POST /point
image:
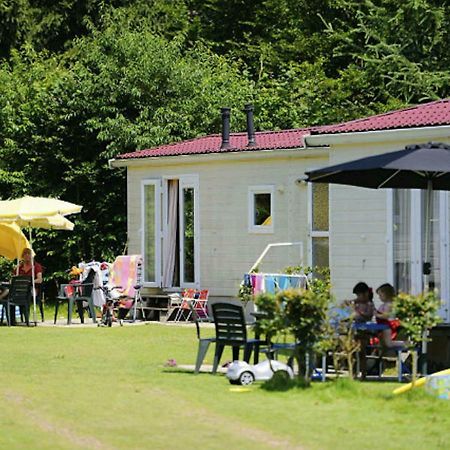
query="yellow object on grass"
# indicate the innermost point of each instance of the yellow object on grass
(12, 241)
(240, 389)
(420, 382)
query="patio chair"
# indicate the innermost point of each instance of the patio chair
(183, 311)
(200, 305)
(174, 305)
(77, 294)
(19, 295)
(199, 301)
(203, 343)
(231, 330)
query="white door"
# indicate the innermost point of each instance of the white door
(408, 243)
(189, 232)
(151, 231)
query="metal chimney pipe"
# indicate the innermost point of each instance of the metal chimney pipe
(225, 127)
(250, 126)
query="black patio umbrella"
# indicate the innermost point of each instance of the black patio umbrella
(421, 166)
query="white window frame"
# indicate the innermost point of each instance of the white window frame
(190, 181)
(158, 234)
(314, 233)
(416, 245)
(261, 189)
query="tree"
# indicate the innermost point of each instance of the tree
(63, 117)
(417, 314)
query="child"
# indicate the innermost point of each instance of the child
(386, 293)
(362, 304)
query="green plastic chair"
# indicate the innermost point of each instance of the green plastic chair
(19, 295)
(76, 294)
(231, 330)
(203, 343)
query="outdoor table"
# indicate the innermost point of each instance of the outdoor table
(366, 330)
(370, 327)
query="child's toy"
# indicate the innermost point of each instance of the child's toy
(107, 313)
(240, 372)
(439, 386)
(420, 382)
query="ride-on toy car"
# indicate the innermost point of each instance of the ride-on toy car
(240, 372)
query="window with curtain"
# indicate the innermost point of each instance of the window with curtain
(319, 232)
(409, 239)
(149, 232)
(402, 239)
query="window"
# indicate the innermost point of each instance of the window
(261, 214)
(319, 225)
(409, 238)
(150, 231)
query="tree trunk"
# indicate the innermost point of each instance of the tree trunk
(336, 364)
(350, 365)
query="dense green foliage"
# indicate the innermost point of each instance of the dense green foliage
(417, 314)
(299, 313)
(84, 80)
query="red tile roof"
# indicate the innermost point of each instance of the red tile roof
(426, 115)
(429, 114)
(265, 140)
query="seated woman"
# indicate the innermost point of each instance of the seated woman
(25, 269)
(386, 293)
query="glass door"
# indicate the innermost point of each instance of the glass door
(189, 232)
(401, 239)
(409, 240)
(151, 232)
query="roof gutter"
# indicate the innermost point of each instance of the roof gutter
(249, 155)
(400, 134)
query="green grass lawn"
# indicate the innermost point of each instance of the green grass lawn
(108, 388)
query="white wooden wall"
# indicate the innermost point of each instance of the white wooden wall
(227, 248)
(360, 246)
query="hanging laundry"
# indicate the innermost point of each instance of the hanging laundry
(269, 281)
(284, 282)
(259, 283)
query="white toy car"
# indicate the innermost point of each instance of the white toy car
(240, 372)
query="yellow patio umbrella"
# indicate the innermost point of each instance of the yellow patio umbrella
(55, 222)
(36, 207)
(38, 212)
(12, 241)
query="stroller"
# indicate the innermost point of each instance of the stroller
(122, 291)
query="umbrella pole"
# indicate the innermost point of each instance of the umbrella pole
(32, 278)
(427, 264)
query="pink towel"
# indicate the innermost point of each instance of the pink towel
(124, 273)
(259, 283)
